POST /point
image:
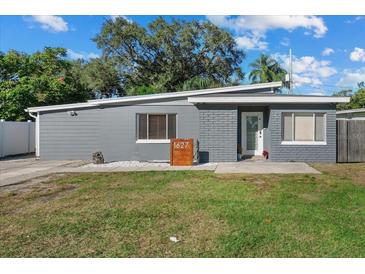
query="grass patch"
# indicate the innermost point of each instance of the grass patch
(134, 214)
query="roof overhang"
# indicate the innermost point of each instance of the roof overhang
(58, 107)
(282, 99)
(350, 111)
(160, 96)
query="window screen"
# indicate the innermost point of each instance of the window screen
(157, 127)
(142, 126)
(320, 127)
(303, 126)
(172, 126)
(287, 127)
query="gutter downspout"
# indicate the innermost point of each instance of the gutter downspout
(36, 117)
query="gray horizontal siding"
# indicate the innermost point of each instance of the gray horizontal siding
(111, 130)
(63, 136)
(121, 133)
(302, 153)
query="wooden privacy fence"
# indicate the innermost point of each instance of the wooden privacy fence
(350, 141)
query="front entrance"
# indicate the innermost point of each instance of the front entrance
(252, 140)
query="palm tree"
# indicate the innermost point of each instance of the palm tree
(198, 82)
(266, 69)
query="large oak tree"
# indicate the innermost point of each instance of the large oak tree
(165, 55)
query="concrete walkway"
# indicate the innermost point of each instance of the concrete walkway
(17, 170)
(259, 167)
(264, 167)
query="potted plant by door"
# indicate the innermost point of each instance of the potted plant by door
(239, 151)
(265, 153)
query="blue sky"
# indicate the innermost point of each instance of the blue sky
(329, 51)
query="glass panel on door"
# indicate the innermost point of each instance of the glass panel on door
(252, 126)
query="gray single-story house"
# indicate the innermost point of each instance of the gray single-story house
(224, 122)
(351, 114)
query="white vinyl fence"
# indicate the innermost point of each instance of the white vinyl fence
(16, 138)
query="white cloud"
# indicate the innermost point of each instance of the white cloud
(285, 42)
(327, 51)
(302, 80)
(357, 55)
(357, 18)
(113, 17)
(92, 55)
(51, 23)
(263, 23)
(251, 43)
(350, 77)
(252, 29)
(81, 55)
(307, 70)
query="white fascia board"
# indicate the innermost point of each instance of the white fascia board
(350, 111)
(160, 96)
(270, 99)
(58, 107)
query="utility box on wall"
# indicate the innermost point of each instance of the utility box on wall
(181, 152)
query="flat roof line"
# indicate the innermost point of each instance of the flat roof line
(269, 99)
(159, 96)
(351, 110)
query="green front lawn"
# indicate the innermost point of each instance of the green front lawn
(134, 214)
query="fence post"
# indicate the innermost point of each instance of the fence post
(28, 139)
(2, 130)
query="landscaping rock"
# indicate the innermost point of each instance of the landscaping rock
(98, 158)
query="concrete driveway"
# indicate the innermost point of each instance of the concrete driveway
(14, 170)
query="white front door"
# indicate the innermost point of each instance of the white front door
(252, 139)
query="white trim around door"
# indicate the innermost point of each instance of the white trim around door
(252, 138)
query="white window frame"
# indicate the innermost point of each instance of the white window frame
(155, 141)
(312, 142)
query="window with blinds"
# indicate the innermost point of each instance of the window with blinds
(156, 126)
(305, 126)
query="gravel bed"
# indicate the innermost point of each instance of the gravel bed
(132, 164)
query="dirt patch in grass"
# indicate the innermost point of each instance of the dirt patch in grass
(354, 172)
(136, 201)
(49, 194)
(177, 185)
(15, 199)
(29, 185)
(259, 183)
(310, 197)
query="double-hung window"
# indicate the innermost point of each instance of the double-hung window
(156, 127)
(303, 128)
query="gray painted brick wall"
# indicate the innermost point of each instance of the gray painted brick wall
(218, 133)
(304, 153)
